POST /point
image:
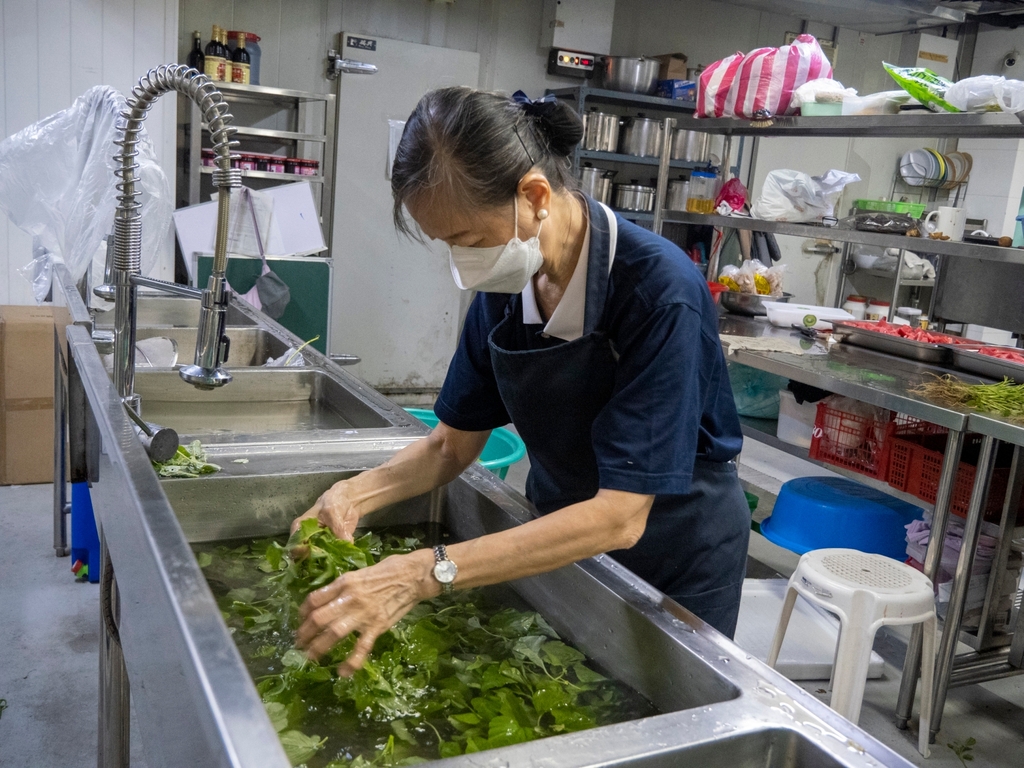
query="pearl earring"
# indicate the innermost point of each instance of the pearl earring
(542, 214)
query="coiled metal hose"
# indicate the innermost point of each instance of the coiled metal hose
(203, 91)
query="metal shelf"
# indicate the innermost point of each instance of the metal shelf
(267, 133)
(765, 431)
(246, 174)
(923, 124)
(818, 232)
(263, 93)
(617, 157)
(634, 215)
(891, 275)
(623, 99)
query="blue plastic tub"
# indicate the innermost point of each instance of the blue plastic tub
(503, 448)
(819, 512)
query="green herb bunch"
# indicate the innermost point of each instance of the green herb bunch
(457, 674)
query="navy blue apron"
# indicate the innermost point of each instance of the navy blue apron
(694, 548)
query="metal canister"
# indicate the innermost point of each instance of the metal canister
(601, 131)
(678, 192)
(641, 137)
(596, 182)
(691, 146)
(634, 197)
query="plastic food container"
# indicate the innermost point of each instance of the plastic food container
(877, 310)
(703, 188)
(816, 109)
(786, 315)
(819, 512)
(503, 448)
(796, 420)
(914, 210)
(856, 306)
(275, 164)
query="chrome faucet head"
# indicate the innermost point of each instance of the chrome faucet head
(204, 378)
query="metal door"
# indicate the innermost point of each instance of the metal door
(395, 304)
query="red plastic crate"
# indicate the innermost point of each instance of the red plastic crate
(851, 441)
(915, 465)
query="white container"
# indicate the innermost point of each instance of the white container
(796, 421)
(996, 336)
(806, 315)
(856, 307)
(877, 310)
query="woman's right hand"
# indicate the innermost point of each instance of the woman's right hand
(334, 510)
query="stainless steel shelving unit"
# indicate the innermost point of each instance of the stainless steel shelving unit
(306, 111)
(671, 110)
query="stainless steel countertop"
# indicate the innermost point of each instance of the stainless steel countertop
(873, 377)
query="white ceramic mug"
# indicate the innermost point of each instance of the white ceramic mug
(948, 221)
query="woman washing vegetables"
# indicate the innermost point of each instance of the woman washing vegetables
(596, 338)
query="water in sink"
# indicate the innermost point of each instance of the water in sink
(470, 672)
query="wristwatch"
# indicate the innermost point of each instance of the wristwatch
(445, 570)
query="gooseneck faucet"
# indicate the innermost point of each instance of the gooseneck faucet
(206, 372)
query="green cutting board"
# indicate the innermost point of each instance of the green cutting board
(309, 280)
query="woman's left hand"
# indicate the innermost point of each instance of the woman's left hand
(369, 602)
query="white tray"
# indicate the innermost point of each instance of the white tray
(804, 315)
(810, 644)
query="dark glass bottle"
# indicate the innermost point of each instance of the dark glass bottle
(240, 62)
(195, 56)
(215, 61)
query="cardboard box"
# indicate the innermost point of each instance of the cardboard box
(26, 395)
(673, 66)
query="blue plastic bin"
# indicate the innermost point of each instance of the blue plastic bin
(85, 540)
(820, 512)
(503, 448)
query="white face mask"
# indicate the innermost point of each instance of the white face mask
(501, 269)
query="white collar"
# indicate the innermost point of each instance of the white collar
(567, 320)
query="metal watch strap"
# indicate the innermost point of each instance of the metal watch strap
(440, 555)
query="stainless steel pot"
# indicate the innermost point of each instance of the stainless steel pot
(622, 73)
(597, 182)
(641, 136)
(678, 191)
(601, 131)
(634, 197)
(691, 146)
(693, 73)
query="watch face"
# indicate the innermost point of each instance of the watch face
(445, 571)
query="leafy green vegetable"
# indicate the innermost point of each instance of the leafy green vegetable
(457, 674)
(187, 462)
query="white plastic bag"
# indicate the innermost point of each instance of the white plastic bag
(794, 196)
(829, 89)
(987, 93)
(57, 183)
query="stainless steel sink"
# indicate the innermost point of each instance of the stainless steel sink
(257, 401)
(169, 311)
(250, 346)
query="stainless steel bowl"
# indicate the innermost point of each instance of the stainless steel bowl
(633, 75)
(601, 131)
(749, 304)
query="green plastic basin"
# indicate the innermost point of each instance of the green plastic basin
(503, 448)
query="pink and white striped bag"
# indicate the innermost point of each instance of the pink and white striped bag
(740, 85)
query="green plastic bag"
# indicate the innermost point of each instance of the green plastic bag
(924, 85)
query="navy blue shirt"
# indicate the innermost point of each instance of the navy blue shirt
(672, 402)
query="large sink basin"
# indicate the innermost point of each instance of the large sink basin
(249, 346)
(171, 311)
(257, 401)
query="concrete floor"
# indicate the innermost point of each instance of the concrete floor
(49, 633)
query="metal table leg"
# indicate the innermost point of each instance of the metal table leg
(932, 559)
(114, 744)
(964, 566)
(61, 507)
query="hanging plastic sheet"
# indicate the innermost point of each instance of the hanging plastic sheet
(57, 183)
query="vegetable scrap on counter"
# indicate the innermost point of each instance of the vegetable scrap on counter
(1004, 399)
(186, 462)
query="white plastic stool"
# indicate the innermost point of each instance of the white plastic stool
(867, 592)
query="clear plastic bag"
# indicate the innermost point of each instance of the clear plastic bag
(794, 196)
(987, 93)
(57, 183)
